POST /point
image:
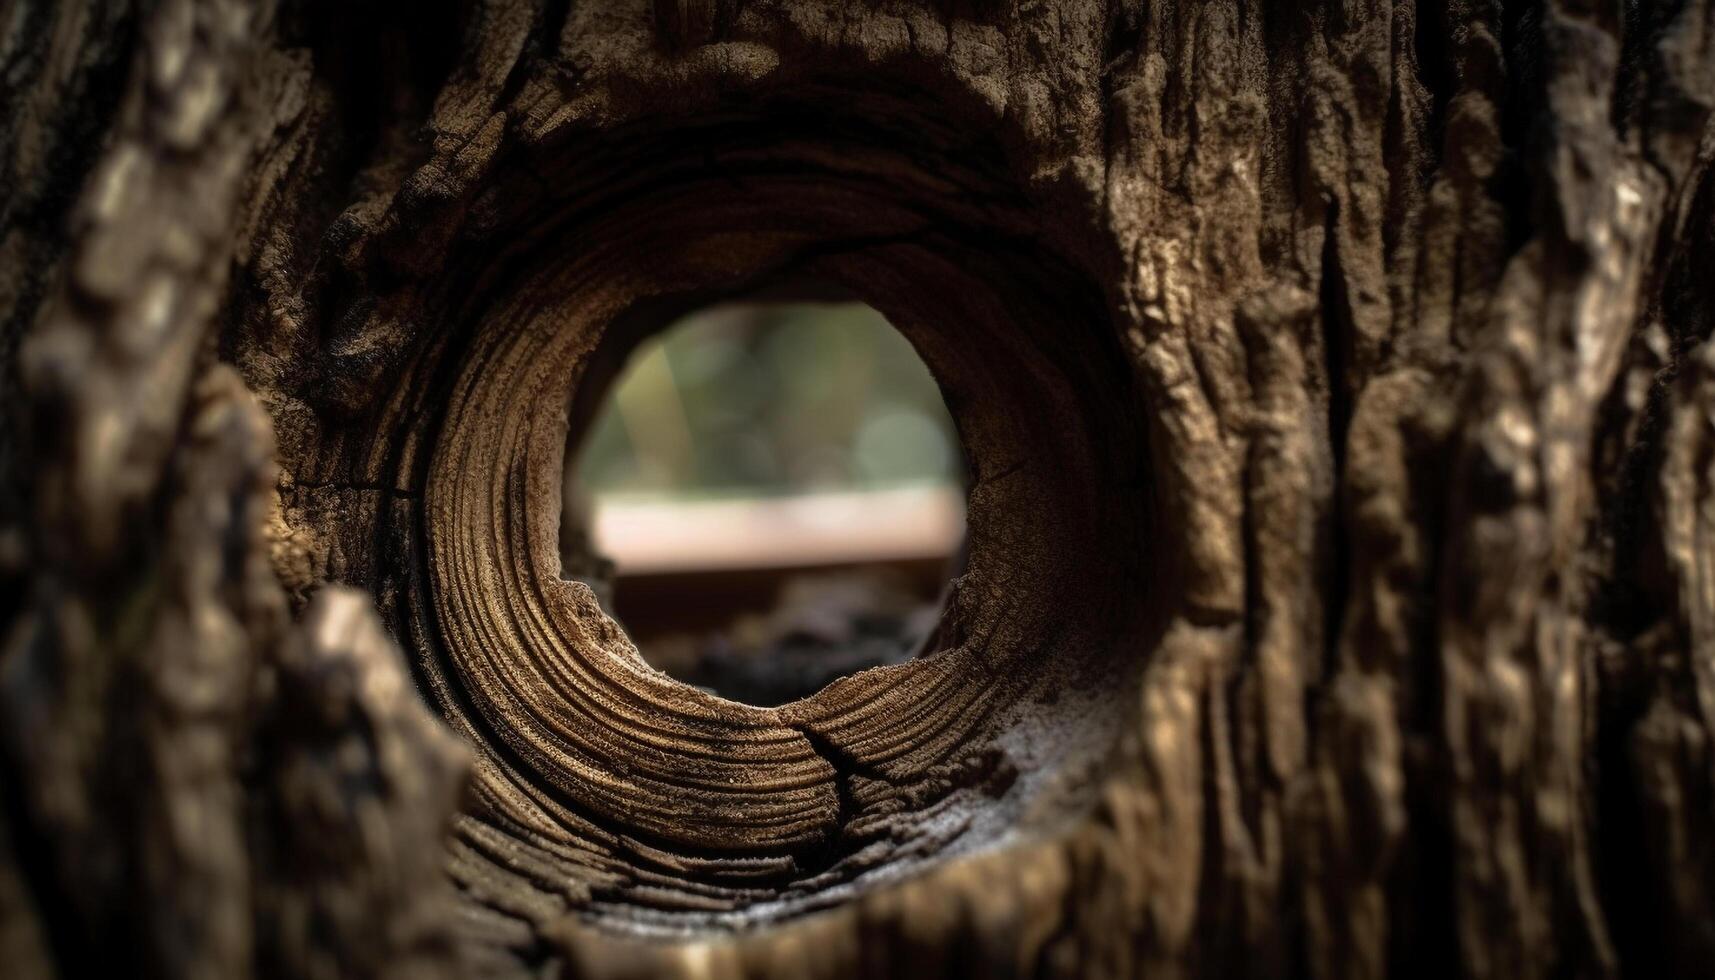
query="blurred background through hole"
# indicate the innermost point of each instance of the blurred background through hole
(768, 497)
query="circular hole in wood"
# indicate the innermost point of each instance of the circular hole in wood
(641, 802)
(769, 496)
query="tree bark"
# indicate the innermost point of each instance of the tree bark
(1338, 394)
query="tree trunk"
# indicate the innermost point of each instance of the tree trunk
(1336, 384)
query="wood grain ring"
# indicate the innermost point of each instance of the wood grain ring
(671, 800)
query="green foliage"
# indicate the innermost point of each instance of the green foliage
(751, 400)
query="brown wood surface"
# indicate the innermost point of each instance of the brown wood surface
(1338, 394)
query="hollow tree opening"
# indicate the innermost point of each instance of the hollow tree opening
(673, 808)
(769, 496)
(1336, 379)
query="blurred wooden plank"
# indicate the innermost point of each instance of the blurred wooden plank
(817, 530)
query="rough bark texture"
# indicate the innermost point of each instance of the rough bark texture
(1339, 393)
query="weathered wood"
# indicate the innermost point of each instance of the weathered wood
(1336, 380)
